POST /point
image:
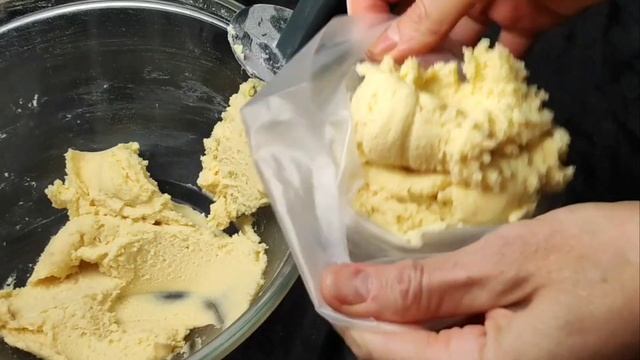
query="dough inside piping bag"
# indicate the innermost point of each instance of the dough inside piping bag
(440, 149)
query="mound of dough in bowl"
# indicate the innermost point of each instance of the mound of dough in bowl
(131, 272)
(442, 149)
(228, 173)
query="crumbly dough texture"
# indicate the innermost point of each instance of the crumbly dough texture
(131, 273)
(228, 172)
(443, 148)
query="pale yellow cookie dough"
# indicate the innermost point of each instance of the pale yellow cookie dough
(112, 183)
(131, 273)
(443, 148)
(228, 173)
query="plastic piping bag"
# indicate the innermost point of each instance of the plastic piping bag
(298, 128)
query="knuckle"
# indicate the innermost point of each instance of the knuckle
(509, 14)
(410, 282)
(422, 20)
(517, 15)
(478, 12)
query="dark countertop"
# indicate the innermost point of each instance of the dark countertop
(591, 68)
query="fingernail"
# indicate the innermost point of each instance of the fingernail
(350, 286)
(387, 42)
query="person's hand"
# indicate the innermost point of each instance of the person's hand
(564, 285)
(426, 23)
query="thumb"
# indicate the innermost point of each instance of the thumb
(420, 29)
(469, 281)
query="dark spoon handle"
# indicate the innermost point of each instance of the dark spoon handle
(307, 19)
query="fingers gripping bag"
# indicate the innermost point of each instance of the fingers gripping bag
(330, 141)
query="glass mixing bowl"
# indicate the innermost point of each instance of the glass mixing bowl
(93, 74)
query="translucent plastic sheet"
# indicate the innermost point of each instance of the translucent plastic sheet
(299, 130)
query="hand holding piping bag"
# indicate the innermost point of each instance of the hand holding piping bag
(427, 24)
(561, 285)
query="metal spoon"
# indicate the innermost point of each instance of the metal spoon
(205, 301)
(265, 37)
